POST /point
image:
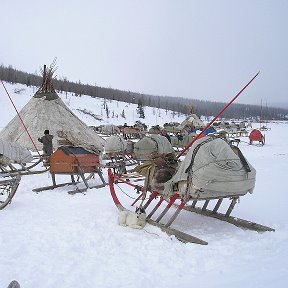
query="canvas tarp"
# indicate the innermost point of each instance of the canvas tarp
(186, 140)
(14, 152)
(216, 171)
(154, 143)
(115, 144)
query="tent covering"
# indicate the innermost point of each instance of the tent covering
(191, 120)
(44, 111)
(40, 114)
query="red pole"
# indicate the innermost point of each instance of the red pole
(217, 116)
(21, 119)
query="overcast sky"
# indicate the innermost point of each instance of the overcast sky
(198, 49)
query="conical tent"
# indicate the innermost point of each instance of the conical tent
(44, 111)
(191, 121)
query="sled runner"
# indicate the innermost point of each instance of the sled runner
(211, 174)
(24, 169)
(74, 161)
(8, 188)
(15, 159)
(170, 231)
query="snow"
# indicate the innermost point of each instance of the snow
(54, 239)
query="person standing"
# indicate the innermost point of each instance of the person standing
(46, 140)
(165, 134)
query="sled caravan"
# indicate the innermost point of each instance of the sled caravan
(211, 170)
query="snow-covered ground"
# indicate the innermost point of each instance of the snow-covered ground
(54, 239)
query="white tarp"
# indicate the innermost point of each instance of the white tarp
(154, 143)
(216, 171)
(115, 144)
(14, 152)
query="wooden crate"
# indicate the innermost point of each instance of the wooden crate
(71, 160)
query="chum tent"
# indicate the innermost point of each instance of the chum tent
(46, 110)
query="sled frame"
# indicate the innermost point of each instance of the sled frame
(74, 182)
(185, 204)
(12, 170)
(119, 162)
(8, 188)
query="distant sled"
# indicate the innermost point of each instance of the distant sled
(256, 136)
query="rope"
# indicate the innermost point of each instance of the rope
(152, 233)
(126, 193)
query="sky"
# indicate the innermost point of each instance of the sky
(55, 239)
(202, 49)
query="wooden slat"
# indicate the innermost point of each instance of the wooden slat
(219, 202)
(205, 205)
(184, 237)
(230, 219)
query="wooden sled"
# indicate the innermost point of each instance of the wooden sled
(8, 188)
(154, 201)
(74, 161)
(79, 175)
(120, 161)
(19, 168)
(256, 135)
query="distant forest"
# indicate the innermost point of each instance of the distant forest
(176, 104)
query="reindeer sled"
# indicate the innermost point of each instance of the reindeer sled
(11, 154)
(212, 171)
(256, 135)
(15, 159)
(8, 187)
(75, 162)
(118, 154)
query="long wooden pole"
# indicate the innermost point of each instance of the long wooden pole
(216, 117)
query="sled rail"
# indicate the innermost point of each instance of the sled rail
(242, 223)
(181, 236)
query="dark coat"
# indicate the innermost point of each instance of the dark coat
(47, 144)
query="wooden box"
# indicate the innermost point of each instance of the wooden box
(72, 160)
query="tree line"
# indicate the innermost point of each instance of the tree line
(176, 104)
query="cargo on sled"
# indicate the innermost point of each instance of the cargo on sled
(212, 172)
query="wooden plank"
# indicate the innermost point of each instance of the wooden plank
(183, 237)
(81, 190)
(230, 219)
(51, 187)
